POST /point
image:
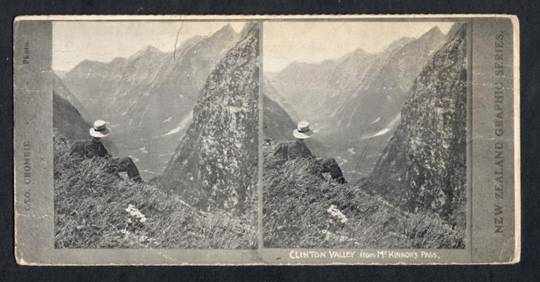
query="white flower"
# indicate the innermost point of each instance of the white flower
(337, 214)
(135, 212)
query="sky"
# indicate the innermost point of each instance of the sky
(313, 42)
(76, 41)
(283, 42)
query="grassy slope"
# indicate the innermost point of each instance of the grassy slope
(91, 212)
(296, 203)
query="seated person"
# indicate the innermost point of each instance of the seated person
(93, 148)
(298, 149)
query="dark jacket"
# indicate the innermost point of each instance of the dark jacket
(298, 149)
(292, 150)
(88, 149)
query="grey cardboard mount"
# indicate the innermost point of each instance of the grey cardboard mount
(493, 225)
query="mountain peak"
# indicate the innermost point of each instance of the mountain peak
(360, 51)
(433, 32)
(117, 61)
(149, 50)
(456, 27)
(152, 49)
(297, 65)
(225, 31)
(86, 65)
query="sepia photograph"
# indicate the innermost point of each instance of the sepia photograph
(266, 140)
(155, 134)
(365, 127)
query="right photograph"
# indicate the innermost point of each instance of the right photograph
(365, 134)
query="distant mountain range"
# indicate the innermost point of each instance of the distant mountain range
(148, 97)
(354, 102)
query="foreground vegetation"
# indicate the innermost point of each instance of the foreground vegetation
(303, 209)
(95, 208)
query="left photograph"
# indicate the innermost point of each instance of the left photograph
(155, 134)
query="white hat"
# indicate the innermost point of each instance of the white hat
(100, 129)
(302, 130)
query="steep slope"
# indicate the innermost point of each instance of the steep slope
(304, 209)
(177, 83)
(300, 82)
(215, 164)
(94, 208)
(391, 81)
(278, 125)
(68, 122)
(271, 92)
(372, 109)
(148, 97)
(93, 83)
(60, 89)
(422, 169)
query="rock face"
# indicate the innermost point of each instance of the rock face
(215, 165)
(422, 169)
(366, 93)
(148, 97)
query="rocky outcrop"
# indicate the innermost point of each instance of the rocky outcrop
(215, 164)
(422, 169)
